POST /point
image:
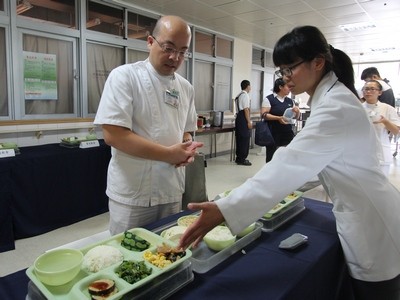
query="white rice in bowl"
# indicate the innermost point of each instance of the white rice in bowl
(101, 257)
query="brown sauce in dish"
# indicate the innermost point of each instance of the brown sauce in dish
(99, 285)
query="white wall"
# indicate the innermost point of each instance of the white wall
(242, 58)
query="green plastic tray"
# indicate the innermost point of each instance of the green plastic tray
(283, 204)
(78, 287)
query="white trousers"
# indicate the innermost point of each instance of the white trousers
(124, 217)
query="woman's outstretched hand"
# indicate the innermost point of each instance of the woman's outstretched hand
(210, 217)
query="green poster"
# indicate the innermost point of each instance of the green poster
(40, 76)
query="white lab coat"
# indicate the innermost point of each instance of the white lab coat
(134, 97)
(339, 144)
(374, 111)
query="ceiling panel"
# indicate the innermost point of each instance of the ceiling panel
(286, 10)
(263, 22)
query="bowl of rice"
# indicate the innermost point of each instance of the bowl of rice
(101, 257)
(187, 220)
(173, 233)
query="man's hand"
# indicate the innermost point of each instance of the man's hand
(191, 147)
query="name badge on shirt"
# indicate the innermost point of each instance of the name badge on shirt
(172, 98)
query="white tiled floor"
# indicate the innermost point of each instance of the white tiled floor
(221, 175)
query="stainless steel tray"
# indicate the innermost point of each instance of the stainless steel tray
(204, 259)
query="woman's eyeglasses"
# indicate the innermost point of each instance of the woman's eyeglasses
(288, 71)
(172, 51)
(370, 89)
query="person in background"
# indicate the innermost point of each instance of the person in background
(384, 118)
(272, 110)
(243, 124)
(365, 204)
(387, 95)
(147, 115)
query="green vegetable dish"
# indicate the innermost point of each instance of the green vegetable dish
(133, 271)
(133, 242)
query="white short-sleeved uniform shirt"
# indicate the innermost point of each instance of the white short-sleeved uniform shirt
(243, 100)
(134, 97)
(389, 112)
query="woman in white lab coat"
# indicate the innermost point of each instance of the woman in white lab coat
(339, 144)
(385, 120)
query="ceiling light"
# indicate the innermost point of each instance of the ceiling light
(384, 49)
(23, 7)
(357, 26)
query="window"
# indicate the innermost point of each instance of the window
(262, 77)
(48, 75)
(3, 74)
(212, 72)
(183, 69)
(56, 12)
(204, 43)
(203, 85)
(256, 90)
(224, 48)
(101, 60)
(258, 57)
(136, 55)
(2, 5)
(139, 27)
(106, 19)
(222, 88)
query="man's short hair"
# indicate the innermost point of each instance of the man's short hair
(244, 84)
(369, 72)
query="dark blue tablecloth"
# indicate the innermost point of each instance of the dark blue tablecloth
(315, 271)
(47, 187)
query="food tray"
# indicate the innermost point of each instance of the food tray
(161, 287)
(204, 259)
(77, 288)
(75, 142)
(10, 146)
(292, 210)
(282, 205)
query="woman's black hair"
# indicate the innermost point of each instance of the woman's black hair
(307, 43)
(278, 83)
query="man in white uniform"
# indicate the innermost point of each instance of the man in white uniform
(147, 113)
(243, 124)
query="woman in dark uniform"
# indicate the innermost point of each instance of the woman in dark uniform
(272, 109)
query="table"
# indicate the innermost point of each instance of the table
(213, 131)
(47, 187)
(314, 271)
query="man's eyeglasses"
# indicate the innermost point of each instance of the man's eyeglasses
(288, 71)
(172, 51)
(368, 89)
